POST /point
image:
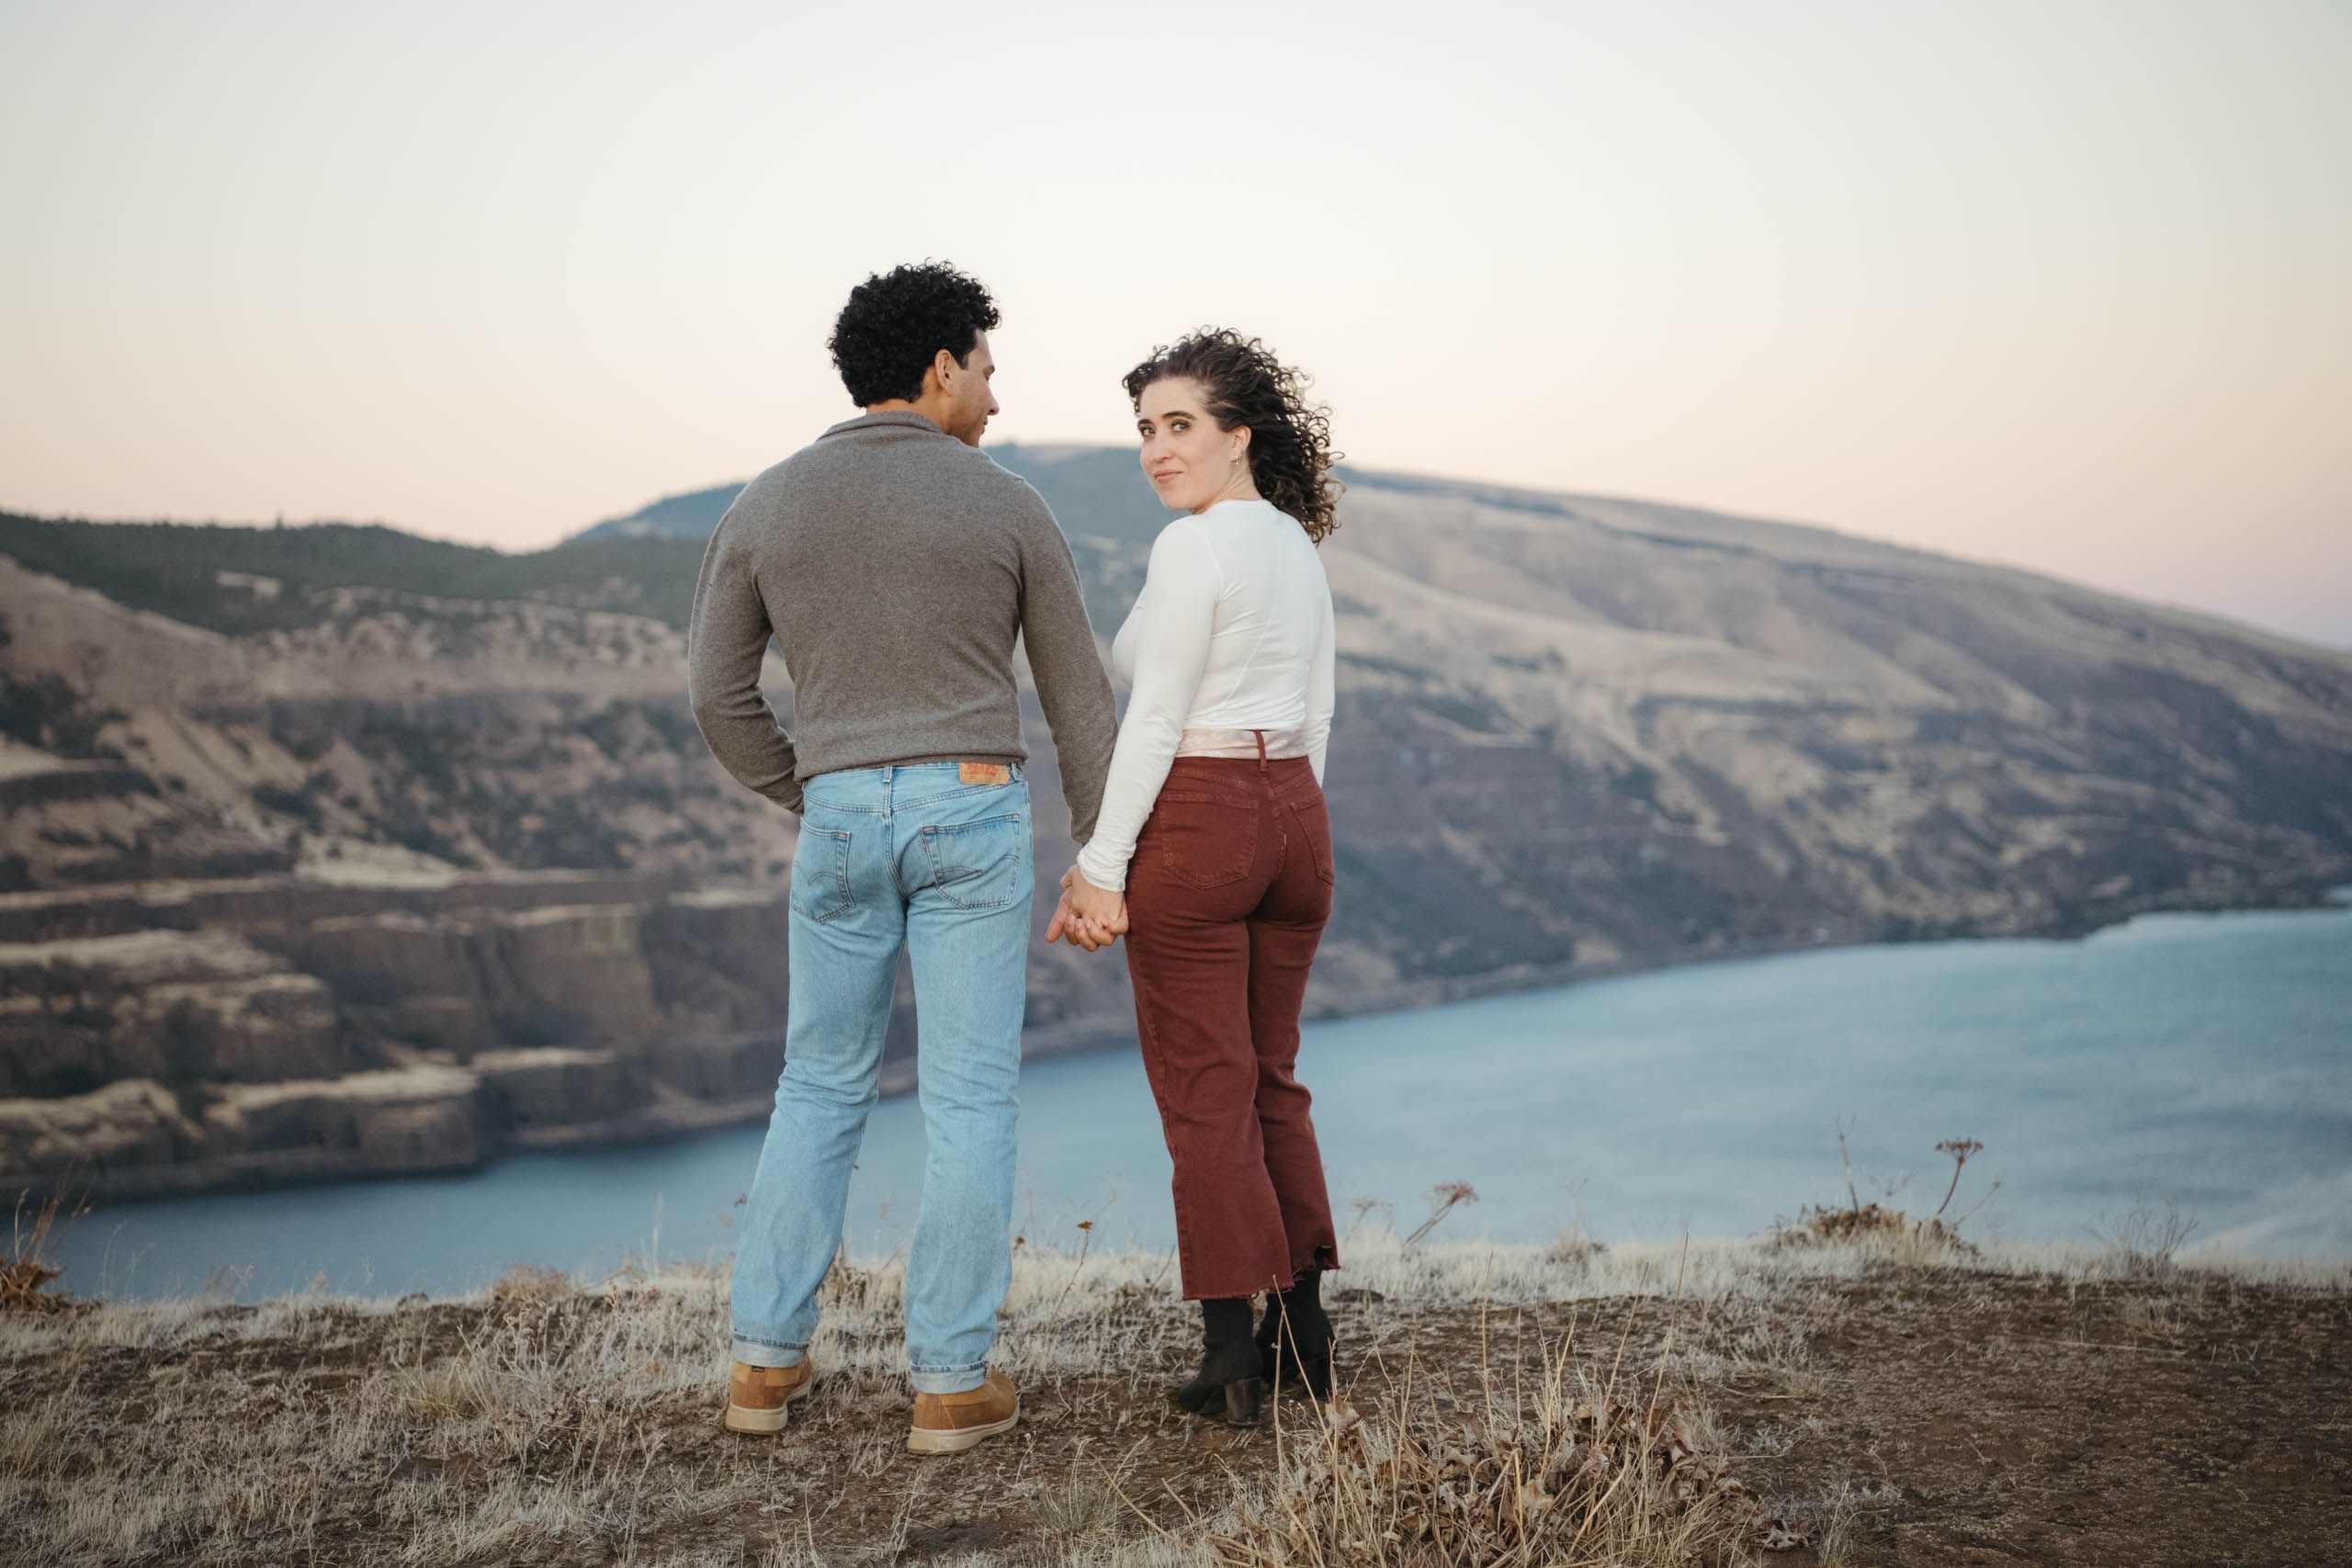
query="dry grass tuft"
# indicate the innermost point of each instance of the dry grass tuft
(26, 1271)
(2145, 1243)
(529, 1287)
(1083, 1506)
(1569, 1471)
(1890, 1233)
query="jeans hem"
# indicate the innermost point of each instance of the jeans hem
(767, 1352)
(949, 1380)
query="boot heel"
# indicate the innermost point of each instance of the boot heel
(739, 1419)
(1243, 1399)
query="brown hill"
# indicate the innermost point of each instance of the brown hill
(313, 806)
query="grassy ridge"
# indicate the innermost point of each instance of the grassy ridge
(644, 564)
(170, 568)
(1866, 1399)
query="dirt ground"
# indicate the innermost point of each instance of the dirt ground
(1915, 1416)
(2030, 1422)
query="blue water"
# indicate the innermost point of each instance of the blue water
(2202, 1062)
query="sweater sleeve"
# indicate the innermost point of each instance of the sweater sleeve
(1182, 586)
(1071, 686)
(727, 638)
(1322, 687)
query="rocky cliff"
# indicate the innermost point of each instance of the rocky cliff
(332, 850)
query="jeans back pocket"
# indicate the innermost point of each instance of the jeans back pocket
(1314, 819)
(820, 888)
(1203, 840)
(978, 865)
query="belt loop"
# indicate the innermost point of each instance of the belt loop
(1261, 750)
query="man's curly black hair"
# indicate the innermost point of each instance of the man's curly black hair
(897, 322)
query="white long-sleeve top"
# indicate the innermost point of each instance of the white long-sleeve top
(1233, 630)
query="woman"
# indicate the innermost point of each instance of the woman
(1213, 850)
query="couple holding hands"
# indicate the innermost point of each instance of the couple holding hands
(895, 565)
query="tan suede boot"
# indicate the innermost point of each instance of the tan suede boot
(756, 1395)
(950, 1422)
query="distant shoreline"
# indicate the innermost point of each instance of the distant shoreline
(149, 1184)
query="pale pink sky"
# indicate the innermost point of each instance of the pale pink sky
(2055, 283)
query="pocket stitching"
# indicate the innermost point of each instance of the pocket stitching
(1170, 862)
(1325, 871)
(839, 874)
(943, 886)
(1202, 797)
(961, 792)
(929, 828)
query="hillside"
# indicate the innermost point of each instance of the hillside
(1742, 731)
(392, 819)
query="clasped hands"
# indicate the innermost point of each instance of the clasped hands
(1087, 916)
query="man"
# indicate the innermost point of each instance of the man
(894, 563)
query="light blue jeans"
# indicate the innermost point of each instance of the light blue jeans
(903, 856)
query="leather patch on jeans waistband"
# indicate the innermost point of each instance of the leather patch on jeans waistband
(983, 773)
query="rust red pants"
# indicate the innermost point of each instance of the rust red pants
(1227, 896)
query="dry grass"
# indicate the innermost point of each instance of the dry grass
(1912, 1242)
(1570, 1468)
(26, 1271)
(1534, 1404)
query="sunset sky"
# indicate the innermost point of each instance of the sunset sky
(2054, 284)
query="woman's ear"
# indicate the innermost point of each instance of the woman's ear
(1240, 433)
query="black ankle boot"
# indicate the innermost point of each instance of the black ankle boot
(1295, 1340)
(1229, 1383)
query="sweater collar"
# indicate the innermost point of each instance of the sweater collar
(906, 417)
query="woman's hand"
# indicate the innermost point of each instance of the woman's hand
(1087, 916)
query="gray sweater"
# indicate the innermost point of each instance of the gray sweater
(894, 565)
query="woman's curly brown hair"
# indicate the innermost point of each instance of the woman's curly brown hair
(1290, 439)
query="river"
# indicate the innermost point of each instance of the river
(2199, 1063)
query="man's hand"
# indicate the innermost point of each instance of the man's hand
(1067, 927)
(1087, 916)
(1078, 932)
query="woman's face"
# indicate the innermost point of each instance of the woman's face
(1188, 460)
